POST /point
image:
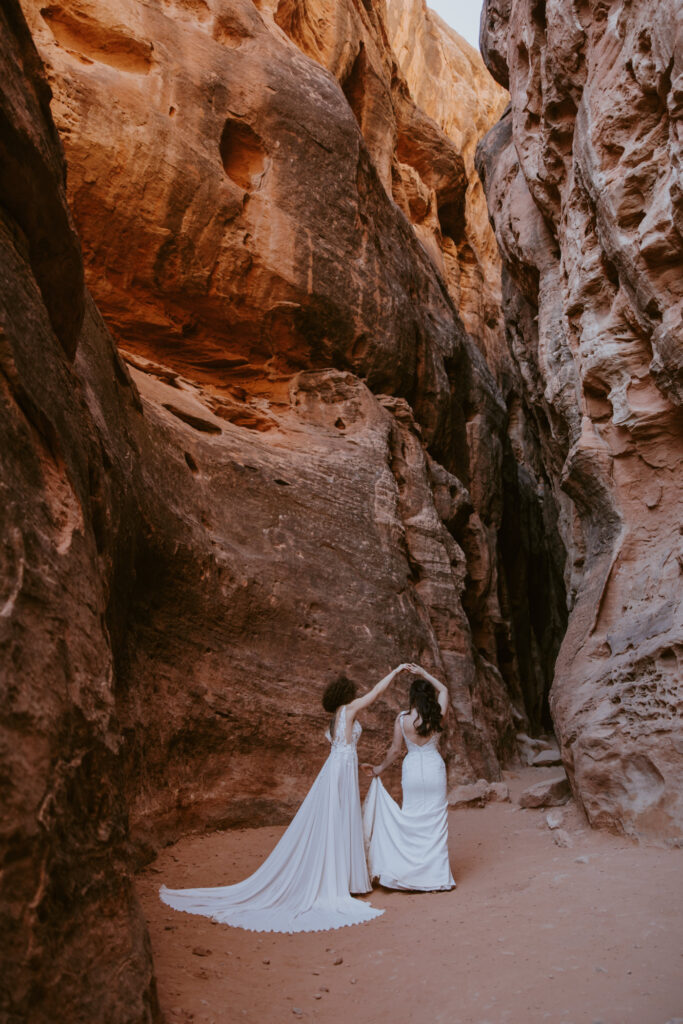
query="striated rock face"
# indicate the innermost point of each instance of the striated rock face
(250, 233)
(449, 81)
(269, 453)
(583, 182)
(68, 913)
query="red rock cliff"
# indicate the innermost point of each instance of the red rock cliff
(269, 453)
(583, 179)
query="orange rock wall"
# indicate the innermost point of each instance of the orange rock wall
(257, 449)
(448, 79)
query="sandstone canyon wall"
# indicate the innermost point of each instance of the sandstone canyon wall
(583, 180)
(69, 919)
(267, 451)
(449, 81)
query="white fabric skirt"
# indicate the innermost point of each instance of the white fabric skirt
(306, 883)
(407, 847)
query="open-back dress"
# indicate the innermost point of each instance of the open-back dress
(407, 847)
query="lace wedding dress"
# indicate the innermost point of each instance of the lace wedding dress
(407, 847)
(305, 884)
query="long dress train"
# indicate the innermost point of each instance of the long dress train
(305, 884)
(407, 847)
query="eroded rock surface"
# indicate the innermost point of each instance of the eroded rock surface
(449, 81)
(584, 189)
(251, 234)
(69, 917)
(286, 460)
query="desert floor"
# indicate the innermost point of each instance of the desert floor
(579, 934)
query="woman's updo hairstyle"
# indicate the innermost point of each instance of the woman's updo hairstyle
(423, 699)
(340, 691)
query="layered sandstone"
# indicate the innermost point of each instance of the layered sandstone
(583, 179)
(449, 81)
(268, 454)
(252, 233)
(69, 917)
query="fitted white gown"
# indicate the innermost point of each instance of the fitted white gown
(407, 847)
(305, 884)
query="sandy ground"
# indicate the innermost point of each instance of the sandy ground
(534, 932)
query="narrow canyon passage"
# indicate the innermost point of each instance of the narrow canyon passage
(328, 343)
(533, 932)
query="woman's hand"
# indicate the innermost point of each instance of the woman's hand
(369, 698)
(422, 672)
(371, 770)
(417, 669)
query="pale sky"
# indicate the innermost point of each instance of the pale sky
(462, 15)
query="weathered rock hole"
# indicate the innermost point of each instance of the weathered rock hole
(206, 426)
(538, 15)
(563, 110)
(191, 463)
(611, 272)
(249, 419)
(632, 219)
(339, 424)
(198, 10)
(360, 346)
(668, 657)
(229, 30)
(105, 44)
(354, 86)
(452, 219)
(644, 42)
(653, 310)
(171, 111)
(243, 154)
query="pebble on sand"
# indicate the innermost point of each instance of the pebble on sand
(562, 838)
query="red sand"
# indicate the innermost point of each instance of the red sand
(529, 935)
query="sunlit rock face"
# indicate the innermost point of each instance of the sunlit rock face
(449, 81)
(247, 216)
(583, 180)
(257, 450)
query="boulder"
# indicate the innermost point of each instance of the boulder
(549, 793)
(472, 795)
(478, 794)
(547, 758)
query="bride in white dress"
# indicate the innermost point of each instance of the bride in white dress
(306, 883)
(407, 847)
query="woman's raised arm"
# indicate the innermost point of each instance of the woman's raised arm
(371, 696)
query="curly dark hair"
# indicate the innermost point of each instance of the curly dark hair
(423, 698)
(340, 691)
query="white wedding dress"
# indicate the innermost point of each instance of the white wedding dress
(305, 884)
(407, 847)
